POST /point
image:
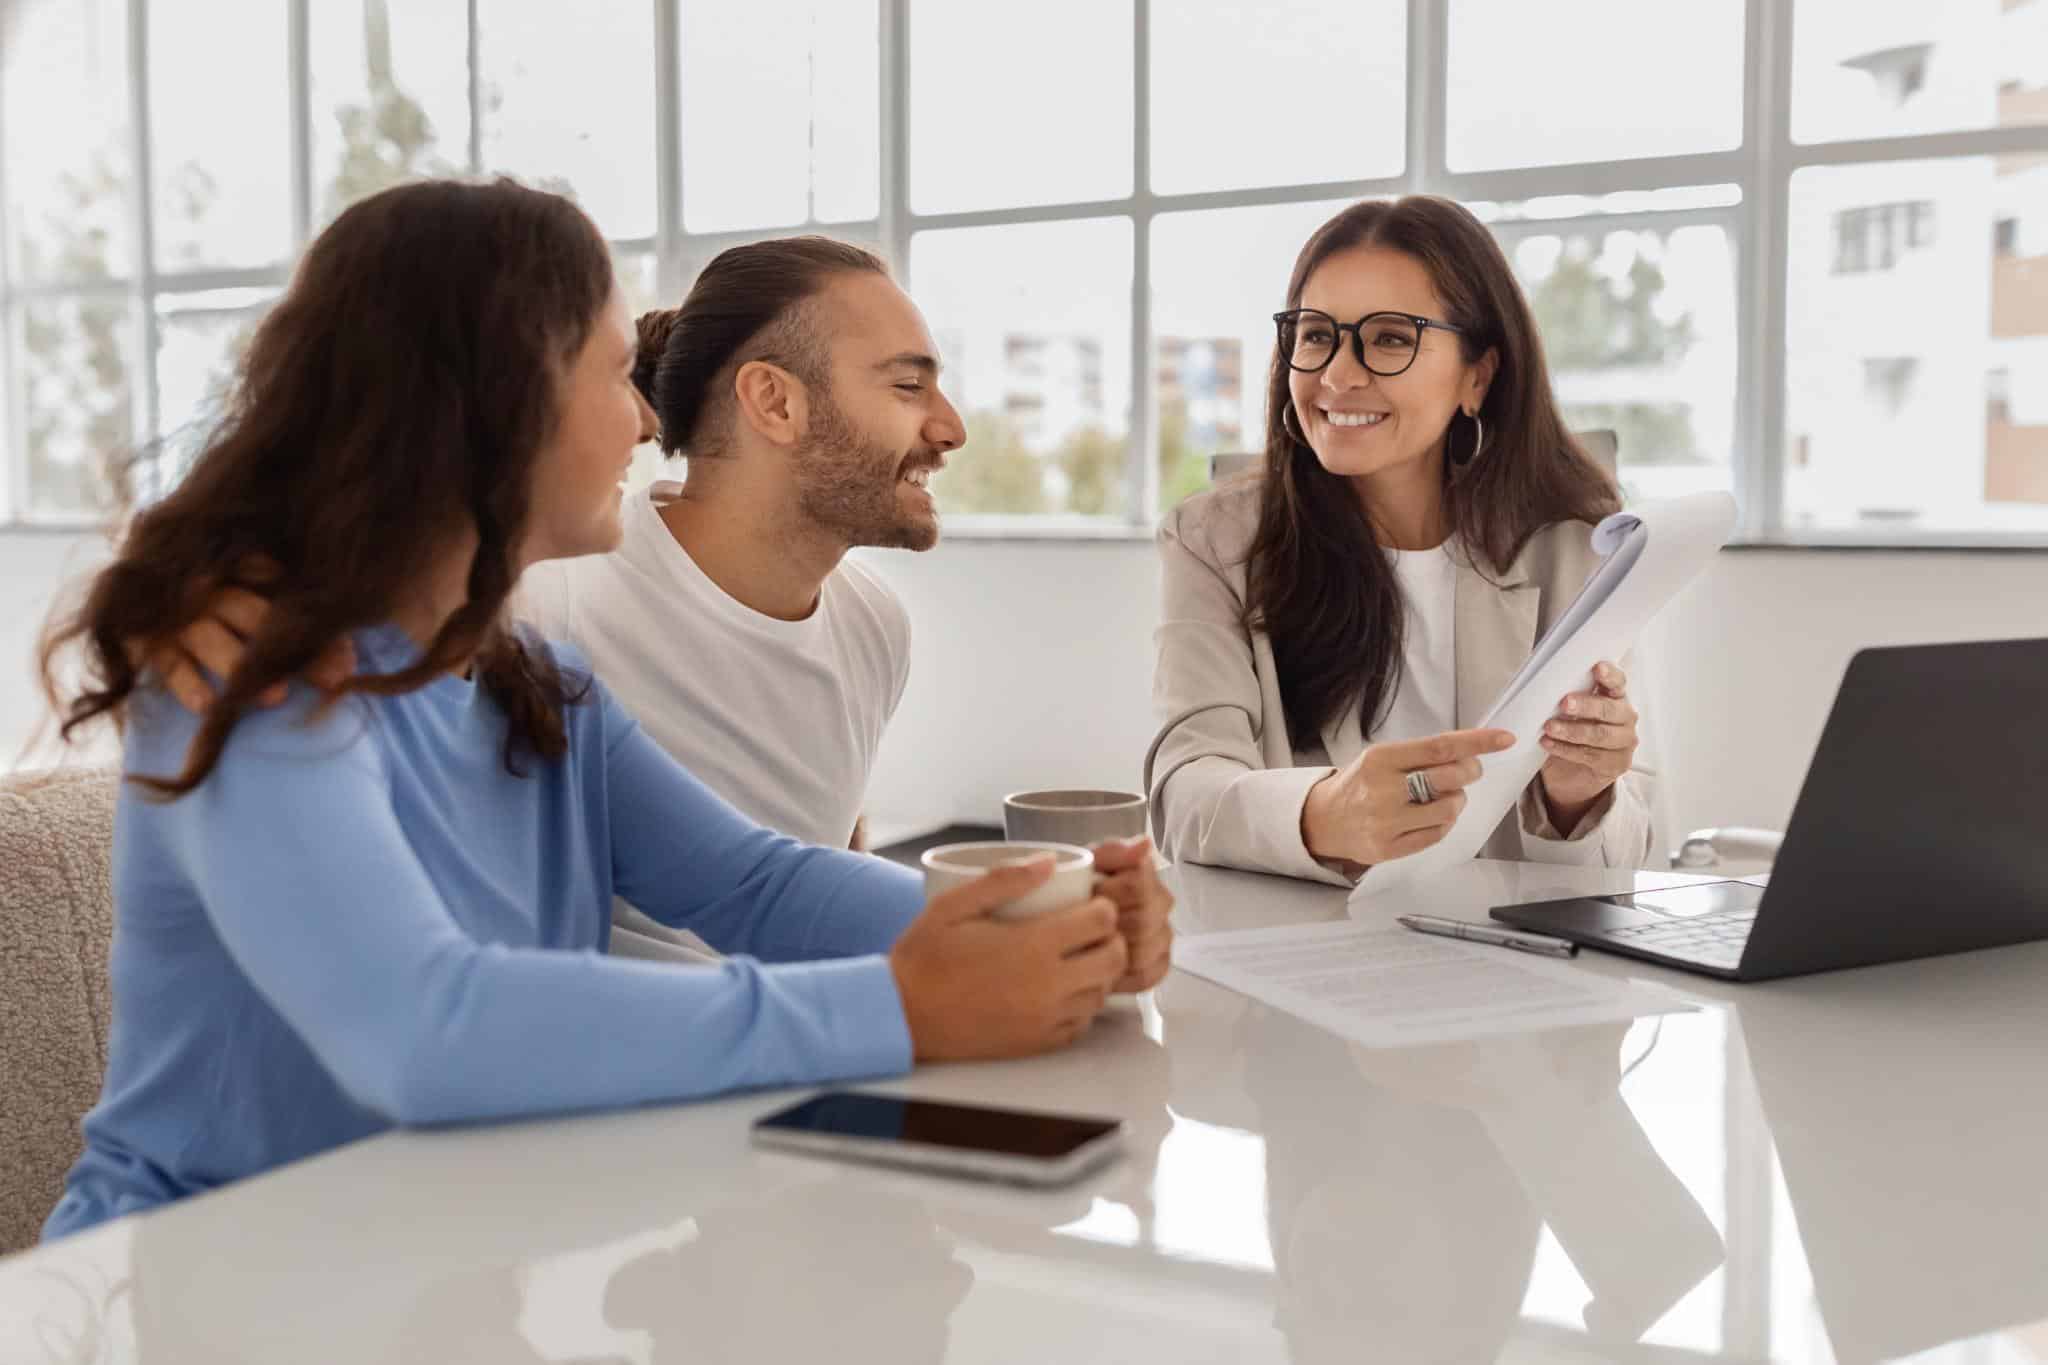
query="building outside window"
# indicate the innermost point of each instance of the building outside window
(1875, 238)
(1714, 275)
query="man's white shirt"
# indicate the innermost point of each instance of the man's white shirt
(781, 718)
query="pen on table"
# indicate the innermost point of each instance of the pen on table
(1486, 933)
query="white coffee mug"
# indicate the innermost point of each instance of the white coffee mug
(1072, 880)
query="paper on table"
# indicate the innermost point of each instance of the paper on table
(1389, 987)
(1649, 554)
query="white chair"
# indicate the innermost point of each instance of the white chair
(1603, 446)
(1228, 465)
(1601, 443)
(1705, 849)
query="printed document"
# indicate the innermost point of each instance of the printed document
(1649, 554)
(1385, 986)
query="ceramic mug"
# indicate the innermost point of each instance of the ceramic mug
(1083, 816)
(1072, 880)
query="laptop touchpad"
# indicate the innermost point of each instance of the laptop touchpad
(1684, 902)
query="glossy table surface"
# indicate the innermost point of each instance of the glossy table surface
(1850, 1167)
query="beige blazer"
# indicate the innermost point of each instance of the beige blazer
(1225, 778)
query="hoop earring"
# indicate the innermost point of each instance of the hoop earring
(1291, 427)
(1478, 440)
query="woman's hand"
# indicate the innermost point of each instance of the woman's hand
(216, 642)
(1591, 742)
(977, 987)
(1366, 814)
(1144, 906)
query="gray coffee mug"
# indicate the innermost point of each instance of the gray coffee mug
(1073, 816)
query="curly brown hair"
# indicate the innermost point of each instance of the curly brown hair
(396, 398)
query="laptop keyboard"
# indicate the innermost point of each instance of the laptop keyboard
(1715, 938)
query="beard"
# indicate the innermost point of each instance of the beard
(846, 484)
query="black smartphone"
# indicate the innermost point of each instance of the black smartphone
(1015, 1145)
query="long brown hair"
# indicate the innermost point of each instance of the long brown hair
(747, 304)
(1317, 583)
(395, 399)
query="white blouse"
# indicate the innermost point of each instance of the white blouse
(1426, 696)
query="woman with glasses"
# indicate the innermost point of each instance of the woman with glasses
(1336, 623)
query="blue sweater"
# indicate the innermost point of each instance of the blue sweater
(364, 920)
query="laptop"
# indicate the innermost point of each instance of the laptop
(1921, 828)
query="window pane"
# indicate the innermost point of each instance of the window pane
(1525, 89)
(569, 105)
(636, 273)
(220, 132)
(1639, 330)
(76, 418)
(812, 146)
(390, 95)
(200, 341)
(1672, 199)
(1917, 348)
(63, 77)
(1223, 68)
(1861, 69)
(1034, 323)
(1019, 104)
(1214, 330)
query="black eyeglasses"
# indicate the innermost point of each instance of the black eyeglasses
(1385, 343)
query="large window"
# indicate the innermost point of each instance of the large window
(1797, 248)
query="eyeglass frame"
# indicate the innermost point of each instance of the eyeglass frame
(1421, 323)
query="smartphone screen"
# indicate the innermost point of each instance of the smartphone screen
(973, 1128)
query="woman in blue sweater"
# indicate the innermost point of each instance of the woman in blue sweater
(387, 903)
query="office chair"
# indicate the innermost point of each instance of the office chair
(1704, 849)
(1601, 443)
(1224, 466)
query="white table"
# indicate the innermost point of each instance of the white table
(1845, 1166)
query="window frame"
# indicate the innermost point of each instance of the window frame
(1761, 166)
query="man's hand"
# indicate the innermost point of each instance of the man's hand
(1144, 906)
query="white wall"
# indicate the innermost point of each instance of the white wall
(1033, 663)
(33, 565)
(1031, 667)
(1747, 660)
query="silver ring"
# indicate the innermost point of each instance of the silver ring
(1420, 792)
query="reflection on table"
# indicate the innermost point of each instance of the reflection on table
(1842, 1167)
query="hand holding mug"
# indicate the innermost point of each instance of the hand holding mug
(1130, 880)
(1395, 799)
(974, 986)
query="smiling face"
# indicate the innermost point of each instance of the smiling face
(879, 428)
(600, 418)
(1360, 424)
